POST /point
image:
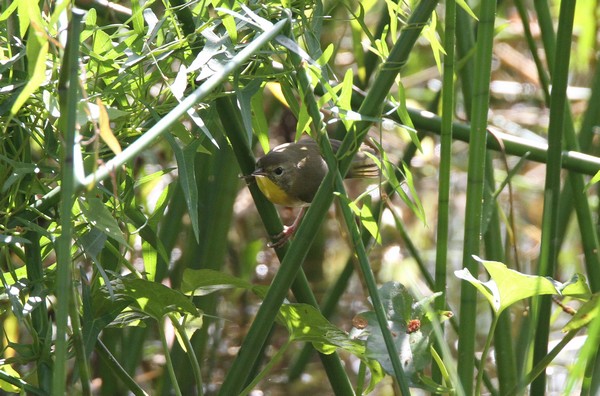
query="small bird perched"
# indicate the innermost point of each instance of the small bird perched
(291, 173)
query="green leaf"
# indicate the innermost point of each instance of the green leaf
(157, 300)
(593, 181)
(100, 218)
(430, 34)
(100, 309)
(463, 4)
(305, 323)
(366, 217)
(585, 314)
(206, 281)
(507, 286)
(410, 327)
(576, 287)
(37, 52)
(245, 101)
(187, 178)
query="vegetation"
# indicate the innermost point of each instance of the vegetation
(134, 261)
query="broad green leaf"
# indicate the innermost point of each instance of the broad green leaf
(100, 309)
(157, 300)
(410, 326)
(305, 323)
(585, 314)
(100, 217)
(206, 281)
(507, 286)
(576, 287)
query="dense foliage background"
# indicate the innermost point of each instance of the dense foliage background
(135, 259)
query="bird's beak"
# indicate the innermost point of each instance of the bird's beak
(251, 176)
(259, 172)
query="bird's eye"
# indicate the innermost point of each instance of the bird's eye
(278, 171)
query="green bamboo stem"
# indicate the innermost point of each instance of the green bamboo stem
(195, 365)
(476, 174)
(68, 99)
(549, 244)
(441, 253)
(370, 282)
(79, 347)
(39, 316)
(502, 327)
(512, 145)
(376, 97)
(313, 217)
(169, 361)
(260, 328)
(31, 390)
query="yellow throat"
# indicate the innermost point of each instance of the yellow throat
(276, 194)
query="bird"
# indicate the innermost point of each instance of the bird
(290, 175)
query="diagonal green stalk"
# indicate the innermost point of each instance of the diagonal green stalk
(323, 199)
(260, 328)
(476, 174)
(573, 194)
(163, 125)
(369, 278)
(119, 371)
(549, 244)
(68, 99)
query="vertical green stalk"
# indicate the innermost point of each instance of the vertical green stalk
(494, 249)
(476, 173)
(68, 99)
(39, 316)
(573, 195)
(441, 253)
(169, 361)
(191, 355)
(549, 243)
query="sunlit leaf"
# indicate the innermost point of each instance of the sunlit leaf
(106, 132)
(507, 286)
(101, 218)
(206, 281)
(585, 314)
(306, 323)
(37, 51)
